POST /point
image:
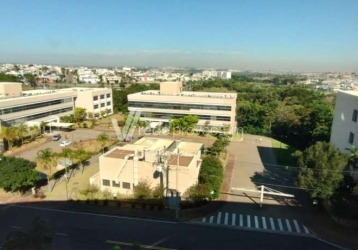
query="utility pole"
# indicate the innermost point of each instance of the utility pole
(177, 207)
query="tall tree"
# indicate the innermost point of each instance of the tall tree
(47, 157)
(102, 138)
(80, 114)
(21, 131)
(353, 158)
(320, 169)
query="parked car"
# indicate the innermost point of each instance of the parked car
(56, 137)
(65, 143)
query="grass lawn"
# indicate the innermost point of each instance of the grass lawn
(76, 183)
(284, 153)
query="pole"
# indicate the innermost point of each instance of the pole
(66, 190)
(177, 171)
(262, 195)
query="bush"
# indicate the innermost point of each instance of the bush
(90, 191)
(85, 125)
(211, 175)
(158, 192)
(142, 190)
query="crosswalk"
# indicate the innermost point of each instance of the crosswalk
(256, 222)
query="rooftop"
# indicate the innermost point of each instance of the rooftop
(184, 161)
(119, 153)
(192, 94)
(350, 92)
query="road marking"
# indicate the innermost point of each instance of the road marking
(233, 219)
(288, 225)
(306, 230)
(16, 227)
(256, 222)
(280, 224)
(297, 226)
(93, 214)
(272, 224)
(218, 219)
(248, 221)
(204, 219)
(211, 219)
(264, 222)
(61, 234)
(226, 221)
(142, 246)
(241, 220)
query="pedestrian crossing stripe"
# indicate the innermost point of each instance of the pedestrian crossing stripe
(257, 222)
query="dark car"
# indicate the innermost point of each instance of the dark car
(56, 137)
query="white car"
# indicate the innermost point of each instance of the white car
(65, 143)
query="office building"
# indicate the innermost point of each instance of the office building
(160, 106)
(173, 164)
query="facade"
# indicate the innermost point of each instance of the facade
(344, 132)
(17, 106)
(217, 109)
(217, 74)
(153, 160)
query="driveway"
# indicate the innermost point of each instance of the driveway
(74, 136)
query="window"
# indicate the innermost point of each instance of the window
(108, 95)
(355, 115)
(114, 184)
(126, 185)
(106, 182)
(351, 138)
(102, 96)
(95, 106)
(102, 105)
(108, 103)
(95, 98)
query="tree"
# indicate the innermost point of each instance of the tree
(21, 131)
(34, 130)
(42, 127)
(320, 169)
(81, 155)
(8, 134)
(102, 138)
(212, 174)
(199, 192)
(142, 190)
(353, 158)
(37, 238)
(30, 78)
(158, 192)
(17, 174)
(47, 157)
(80, 114)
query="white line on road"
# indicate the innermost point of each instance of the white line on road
(16, 227)
(306, 230)
(226, 221)
(218, 219)
(233, 219)
(204, 219)
(297, 226)
(61, 234)
(264, 222)
(241, 220)
(272, 224)
(256, 222)
(93, 214)
(288, 225)
(248, 221)
(211, 219)
(280, 224)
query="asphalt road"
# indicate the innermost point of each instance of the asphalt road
(74, 230)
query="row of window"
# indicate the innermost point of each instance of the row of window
(95, 98)
(102, 105)
(15, 109)
(37, 116)
(179, 106)
(168, 116)
(125, 185)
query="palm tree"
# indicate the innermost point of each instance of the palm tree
(81, 155)
(102, 138)
(43, 127)
(47, 157)
(21, 131)
(67, 153)
(34, 131)
(353, 158)
(9, 134)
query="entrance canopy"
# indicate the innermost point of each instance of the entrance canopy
(60, 124)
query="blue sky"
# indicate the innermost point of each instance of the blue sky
(276, 35)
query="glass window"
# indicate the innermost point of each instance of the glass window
(355, 115)
(126, 185)
(108, 95)
(108, 103)
(351, 138)
(102, 105)
(115, 184)
(102, 96)
(106, 182)
(95, 98)
(178, 106)
(95, 106)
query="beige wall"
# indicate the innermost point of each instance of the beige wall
(85, 100)
(12, 89)
(168, 88)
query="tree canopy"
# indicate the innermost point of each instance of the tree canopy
(17, 174)
(211, 174)
(320, 169)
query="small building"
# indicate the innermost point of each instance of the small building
(173, 164)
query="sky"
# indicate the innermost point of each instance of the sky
(288, 35)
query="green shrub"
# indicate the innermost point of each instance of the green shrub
(142, 190)
(85, 125)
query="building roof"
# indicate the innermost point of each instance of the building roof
(193, 94)
(350, 92)
(119, 153)
(184, 161)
